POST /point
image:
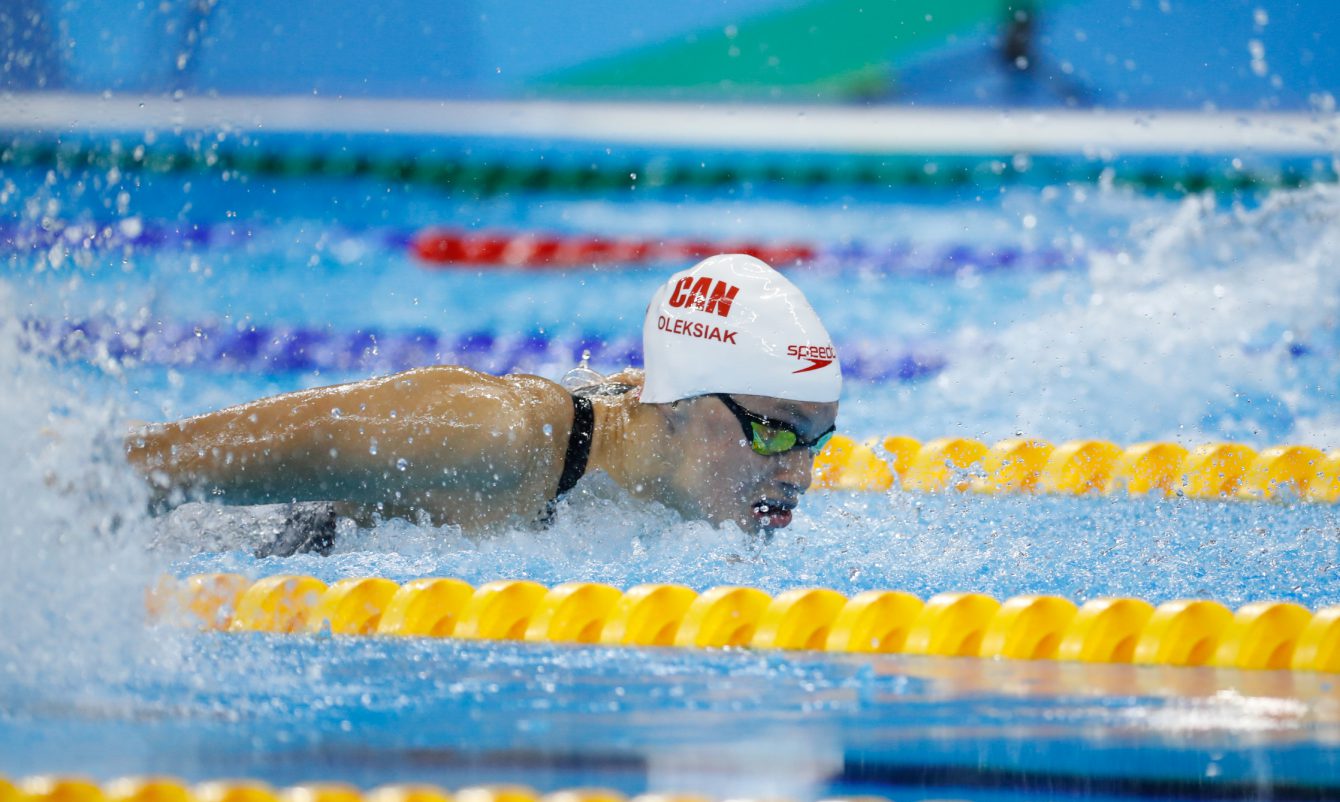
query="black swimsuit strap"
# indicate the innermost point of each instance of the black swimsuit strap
(579, 444)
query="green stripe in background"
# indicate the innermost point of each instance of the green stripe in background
(828, 49)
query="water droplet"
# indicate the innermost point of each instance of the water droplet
(401, 464)
(336, 412)
(372, 447)
(548, 430)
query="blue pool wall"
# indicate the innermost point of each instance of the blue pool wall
(1184, 54)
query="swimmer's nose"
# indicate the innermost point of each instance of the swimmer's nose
(796, 468)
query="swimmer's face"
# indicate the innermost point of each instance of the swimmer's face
(720, 477)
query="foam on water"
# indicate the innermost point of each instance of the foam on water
(74, 569)
(1214, 324)
(1078, 548)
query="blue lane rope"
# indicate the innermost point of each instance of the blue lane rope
(285, 349)
(280, 349)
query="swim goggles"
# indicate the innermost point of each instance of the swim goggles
(769, 437)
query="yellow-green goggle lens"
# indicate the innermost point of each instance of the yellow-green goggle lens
(770, 442)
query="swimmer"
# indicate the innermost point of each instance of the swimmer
(739, 392)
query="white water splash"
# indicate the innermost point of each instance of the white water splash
(73, 570)
(1216, 323)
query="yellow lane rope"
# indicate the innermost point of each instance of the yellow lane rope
(1079, 467)
(1266, 635)
(65, 788)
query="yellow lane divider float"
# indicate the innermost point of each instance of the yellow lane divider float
(1024, 465)
(1260, 635)
(166, 789)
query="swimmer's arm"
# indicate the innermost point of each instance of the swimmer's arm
(372, 442)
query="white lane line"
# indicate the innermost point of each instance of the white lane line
(891, 130)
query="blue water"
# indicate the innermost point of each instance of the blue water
(1185, 319)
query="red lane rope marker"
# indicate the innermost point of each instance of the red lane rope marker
(450, 248)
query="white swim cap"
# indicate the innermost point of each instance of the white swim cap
(731, 324)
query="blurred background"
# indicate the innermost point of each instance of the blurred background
(1166, 54)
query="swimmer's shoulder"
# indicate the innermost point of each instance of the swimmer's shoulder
(621, 388)
(447, 376)
(528, 387)
(517, 391)
(547, 396)
(452, 381)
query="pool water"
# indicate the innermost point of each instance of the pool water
(1124, 316)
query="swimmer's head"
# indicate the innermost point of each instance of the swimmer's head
(732, 324)
(749, 382)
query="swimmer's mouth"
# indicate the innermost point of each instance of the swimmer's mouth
(773, 514)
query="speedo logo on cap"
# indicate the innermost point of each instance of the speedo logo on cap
(703, 294)
(819, 356)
